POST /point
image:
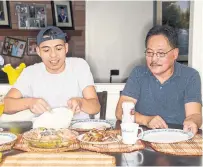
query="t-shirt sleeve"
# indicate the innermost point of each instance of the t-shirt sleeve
(22, 83)
(84, 74)
(132, 86)
(193, 89)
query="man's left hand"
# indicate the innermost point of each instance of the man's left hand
(190, 125)
(75, 104)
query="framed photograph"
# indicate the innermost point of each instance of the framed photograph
(31, 47)
(62, 14)
(14, 47)
(40, 15)
(4, 15)
(23, 21)
(31, 16)
(177, 15)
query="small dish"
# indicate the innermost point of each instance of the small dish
(6, 138)
(89, 124)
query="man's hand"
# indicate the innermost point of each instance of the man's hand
(190, 125)
(152, 121)
(75, 104)
(156, 122)
(39, 106)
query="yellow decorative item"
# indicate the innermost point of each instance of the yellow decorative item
(1, 104)
(13, 73)
(0, 156)
(1, 109)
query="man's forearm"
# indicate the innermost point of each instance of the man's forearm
(142, 119)
(90, 106)
(13, 105)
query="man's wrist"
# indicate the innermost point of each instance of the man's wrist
(142, 119)
(147, 119)
(28, 103)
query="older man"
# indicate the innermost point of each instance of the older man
(164, 91)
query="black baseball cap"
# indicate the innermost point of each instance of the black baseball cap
(55, 33)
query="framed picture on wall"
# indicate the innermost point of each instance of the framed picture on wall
(4, 15)
(62, 14)
(177, 15)
(14, 47)
(31, 47)
(31, 16)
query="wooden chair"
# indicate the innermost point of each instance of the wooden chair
(103, 102)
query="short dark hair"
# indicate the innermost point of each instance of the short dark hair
(169, 32)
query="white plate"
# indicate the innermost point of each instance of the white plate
(7, 138)
(90, 124)
(166, 135)
(106, 142)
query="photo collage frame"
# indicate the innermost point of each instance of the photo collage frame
(31, 16)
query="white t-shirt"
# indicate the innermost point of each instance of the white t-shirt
(56, 89)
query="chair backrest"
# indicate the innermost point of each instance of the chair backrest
(102, 96)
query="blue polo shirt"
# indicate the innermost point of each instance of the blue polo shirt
(168, 99)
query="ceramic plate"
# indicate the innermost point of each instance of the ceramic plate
(119, 138)
(86, 125)
(166, 135)
(6, 138)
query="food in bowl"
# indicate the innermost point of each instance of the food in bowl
(50, 138)
(96, 135)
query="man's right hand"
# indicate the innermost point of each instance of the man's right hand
(39, 106)
(155, 122)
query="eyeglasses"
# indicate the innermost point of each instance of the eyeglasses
(158, 54)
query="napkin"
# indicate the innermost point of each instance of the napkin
(58, 118)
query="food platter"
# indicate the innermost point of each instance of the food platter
(50, 138)
(96, 136)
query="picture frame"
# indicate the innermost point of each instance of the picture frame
(62, 14)
(32, 16)
(177, 15)
(31, 46)
(4, 15)
(14, 47)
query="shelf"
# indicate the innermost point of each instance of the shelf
(17, 32)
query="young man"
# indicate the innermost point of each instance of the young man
(164, 91)
(57, 81)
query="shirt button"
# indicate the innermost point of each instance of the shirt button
(161, 87)
(157, 80)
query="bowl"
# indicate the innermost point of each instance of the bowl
(50, 138)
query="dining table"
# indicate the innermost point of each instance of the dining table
(145, 157)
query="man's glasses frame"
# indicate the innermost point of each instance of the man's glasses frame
(158, 54)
